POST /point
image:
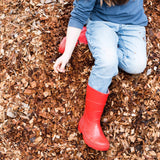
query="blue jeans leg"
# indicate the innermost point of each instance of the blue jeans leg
(112, 46)
(102, 41)
(132, 48)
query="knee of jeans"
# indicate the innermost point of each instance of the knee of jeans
(136, 66)
(107, 64)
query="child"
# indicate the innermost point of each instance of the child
(116, 38)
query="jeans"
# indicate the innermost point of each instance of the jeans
(115, 46)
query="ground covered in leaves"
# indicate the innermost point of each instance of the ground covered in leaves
(40, 110)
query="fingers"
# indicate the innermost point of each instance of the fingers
(56, 66)
(59, 66)
(62, 67)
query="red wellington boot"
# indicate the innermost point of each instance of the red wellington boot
(89, 124)
(81, 40)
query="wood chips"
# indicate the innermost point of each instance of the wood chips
(40, 110)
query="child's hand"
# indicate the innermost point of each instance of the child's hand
(71, 40)
(60, 63)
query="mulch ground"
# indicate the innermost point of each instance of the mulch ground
(40, 110)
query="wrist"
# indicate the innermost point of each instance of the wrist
(67, 55)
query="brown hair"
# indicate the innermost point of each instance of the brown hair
(113, 2)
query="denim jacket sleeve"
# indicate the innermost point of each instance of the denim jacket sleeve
(81, 12)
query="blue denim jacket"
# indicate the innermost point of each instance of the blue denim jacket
(129, 13)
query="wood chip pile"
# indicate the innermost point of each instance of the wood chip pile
(40, 110)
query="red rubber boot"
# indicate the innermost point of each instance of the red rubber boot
(81, 40)
(89, 124)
